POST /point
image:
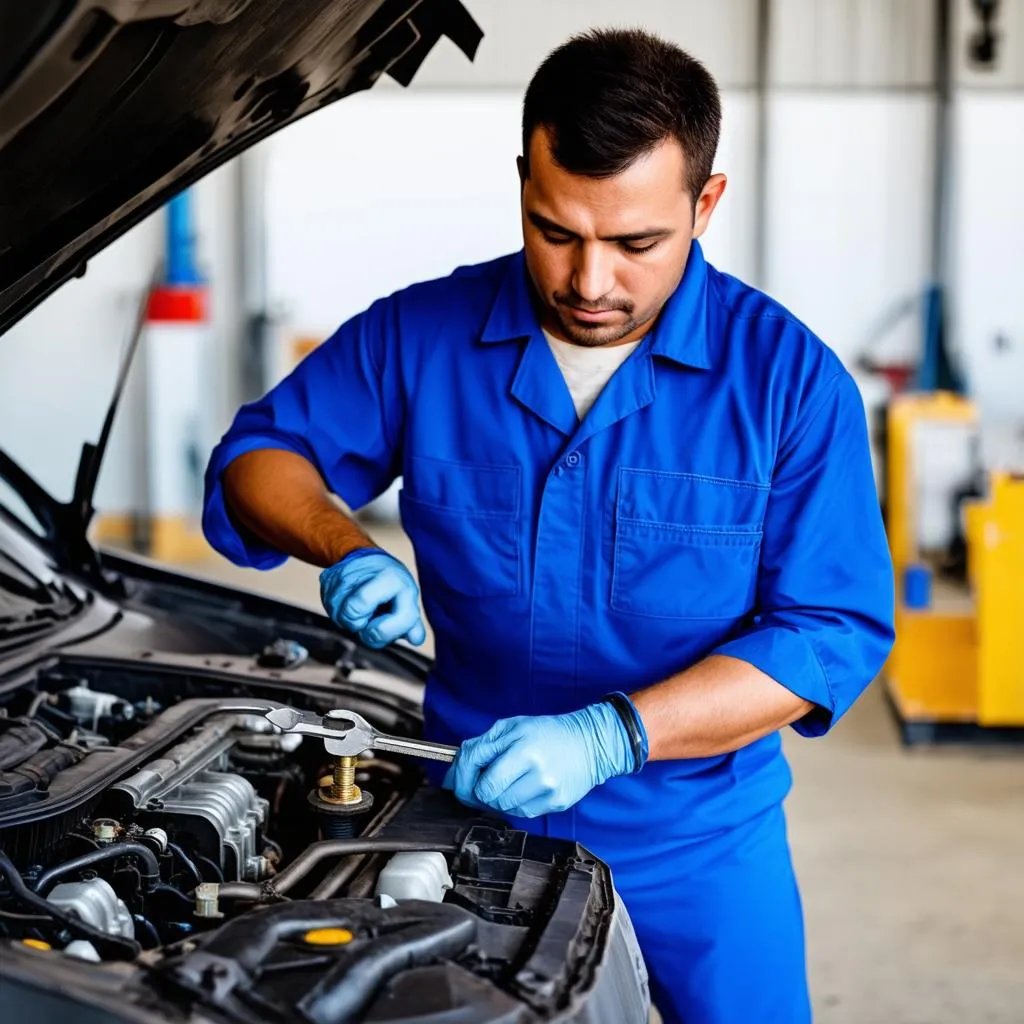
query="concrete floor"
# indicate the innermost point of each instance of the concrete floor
(910, 862)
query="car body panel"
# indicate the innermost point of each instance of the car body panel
(110, 107)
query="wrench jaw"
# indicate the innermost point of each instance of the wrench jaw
(291, 720)
(285, 718)
(350, 746)
(338, 740)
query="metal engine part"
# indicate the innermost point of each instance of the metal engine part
(208, 900)
(96, 903)
(158, 837)
(270, 742)
(88, 706)
(232, 808)
(189, 790)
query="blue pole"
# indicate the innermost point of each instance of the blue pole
(928, 371)
(181, 255)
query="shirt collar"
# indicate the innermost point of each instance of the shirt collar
(680, 333)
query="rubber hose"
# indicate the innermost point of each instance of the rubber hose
(150, 877)
(145, 925)
(240, 891)
(218, 875)
(171, 891)
(190, 866)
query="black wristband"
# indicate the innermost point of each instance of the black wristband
(634, 727)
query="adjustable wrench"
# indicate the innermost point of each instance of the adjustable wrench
(347, 734)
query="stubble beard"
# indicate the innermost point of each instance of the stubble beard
(596, 335)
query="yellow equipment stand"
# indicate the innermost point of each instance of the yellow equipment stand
(957, 667)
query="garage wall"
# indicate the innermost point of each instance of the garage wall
(849, 193)
(850, 157)
(988, 252)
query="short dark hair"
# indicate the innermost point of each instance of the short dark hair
(610, 95)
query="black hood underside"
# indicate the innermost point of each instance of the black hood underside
(110, 107)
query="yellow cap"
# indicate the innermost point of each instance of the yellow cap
(37, 944)
(328, 937)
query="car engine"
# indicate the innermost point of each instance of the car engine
(164, 855)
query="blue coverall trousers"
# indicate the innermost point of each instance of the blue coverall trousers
(720, 926)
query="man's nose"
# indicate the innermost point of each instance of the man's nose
(593, 276)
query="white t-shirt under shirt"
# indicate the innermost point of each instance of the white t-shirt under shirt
(587, 370)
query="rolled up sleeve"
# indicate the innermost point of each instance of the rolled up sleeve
(341, 408)
(823, 623)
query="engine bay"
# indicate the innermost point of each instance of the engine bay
(166, 853)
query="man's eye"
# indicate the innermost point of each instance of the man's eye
(557, 239)
(639, 249)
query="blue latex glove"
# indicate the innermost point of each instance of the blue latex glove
(373, 595)
(526, 767)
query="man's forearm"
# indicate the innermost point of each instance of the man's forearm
(280, 498)
(717, 706)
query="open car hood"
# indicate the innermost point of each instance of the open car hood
(110, 107)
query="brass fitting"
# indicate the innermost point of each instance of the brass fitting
(341, 788)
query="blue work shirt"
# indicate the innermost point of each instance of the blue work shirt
(718, 498)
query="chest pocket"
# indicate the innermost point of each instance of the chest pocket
(686, 546)
(463, 521)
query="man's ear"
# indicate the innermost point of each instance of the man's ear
(706, 203)
(521, 167)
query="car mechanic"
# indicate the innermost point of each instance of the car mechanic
(644, 518)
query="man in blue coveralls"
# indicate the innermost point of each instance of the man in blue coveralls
(644, 517)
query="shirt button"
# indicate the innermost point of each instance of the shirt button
(572, 459)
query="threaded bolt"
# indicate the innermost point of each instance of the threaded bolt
(336, 826)
(344, 790)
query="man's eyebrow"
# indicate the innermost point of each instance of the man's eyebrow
(545, 224)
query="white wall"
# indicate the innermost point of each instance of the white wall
(987, 265)
(849, 196)
(851, 44)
